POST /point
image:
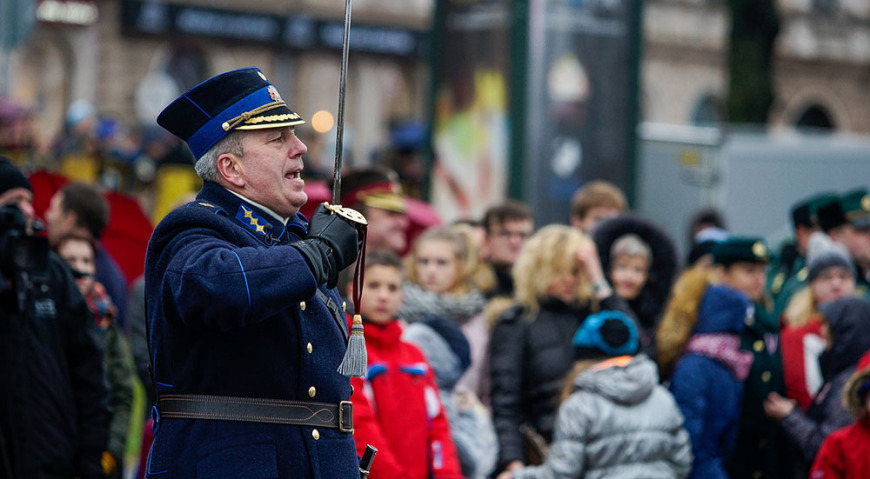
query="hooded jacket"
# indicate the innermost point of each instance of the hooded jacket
(845, 454)
(530, 355)
(397, 410)
(447, 352)
(618, 423)
(848, 321)
(650, 304)
(708, 392)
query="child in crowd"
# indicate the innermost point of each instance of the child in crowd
(616, 421)
(640, 260)
(845, 454)
(439, 275)
(79, 252)
(396, 406)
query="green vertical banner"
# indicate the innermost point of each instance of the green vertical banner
(581, 107)
(470, 125)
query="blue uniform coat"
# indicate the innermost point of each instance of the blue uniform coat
(232, 311)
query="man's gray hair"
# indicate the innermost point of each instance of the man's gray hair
(206, 166)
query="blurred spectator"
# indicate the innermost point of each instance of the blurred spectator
(508, 226)
(82, 207)
(79, 251)
(847, 321)
(595, 202)
(831, 276)
(706, 228)
(559, 282)
(397, 407)
(54, 416)
(784, 267)
(699, 340)
(615, 421)
(845, 454)
(376, 193)
(440, 279)
(848, 222)
(640, 261)
(449, 354)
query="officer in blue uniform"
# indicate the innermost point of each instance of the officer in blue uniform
(245, 325)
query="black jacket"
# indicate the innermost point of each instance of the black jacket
(54, 417)
(529, 360)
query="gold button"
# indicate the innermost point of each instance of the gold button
(302, 305)
(315, 434)
(758, 345)
(312, 392)
(309, 347)
(344, 305)
(765, 376)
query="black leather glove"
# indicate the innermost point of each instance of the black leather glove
(332, 244)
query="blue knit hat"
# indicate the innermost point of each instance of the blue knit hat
(606, 334)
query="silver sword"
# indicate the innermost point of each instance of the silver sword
(342, 88)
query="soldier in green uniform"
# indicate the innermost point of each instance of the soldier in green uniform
(763, 448)
(848, 222)
(786, 271)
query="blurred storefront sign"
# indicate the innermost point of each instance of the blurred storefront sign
(67, 12)
(297, 31)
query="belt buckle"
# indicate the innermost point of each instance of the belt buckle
(341, 416)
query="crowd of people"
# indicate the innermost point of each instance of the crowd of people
(496, 348)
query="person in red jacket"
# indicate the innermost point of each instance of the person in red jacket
(845, 454)
(396, 406)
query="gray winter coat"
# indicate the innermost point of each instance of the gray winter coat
(618, 423)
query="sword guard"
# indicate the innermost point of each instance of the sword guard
(349, 214)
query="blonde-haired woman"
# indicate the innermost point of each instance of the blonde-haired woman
(558, 283)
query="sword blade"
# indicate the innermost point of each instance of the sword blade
(342, 89)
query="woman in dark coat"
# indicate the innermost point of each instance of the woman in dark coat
(558, 283)
(847, 321)
(629, 240)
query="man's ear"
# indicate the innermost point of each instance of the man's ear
(230, 168)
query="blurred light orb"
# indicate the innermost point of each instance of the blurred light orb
(322, 121)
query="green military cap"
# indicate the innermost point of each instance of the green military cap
(805, 212)
(737, 249)
(856, 207)
(831, 215)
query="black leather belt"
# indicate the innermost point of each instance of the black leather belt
(270, 411)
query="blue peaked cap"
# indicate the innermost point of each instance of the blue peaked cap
(236, 100)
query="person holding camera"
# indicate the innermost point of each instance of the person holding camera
(245, 324)
(53, 404)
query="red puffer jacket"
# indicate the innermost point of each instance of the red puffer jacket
(396, 409)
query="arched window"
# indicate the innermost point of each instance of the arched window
(816, 116)
(707, 111)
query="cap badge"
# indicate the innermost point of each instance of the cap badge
(759, 250)
(273, 94)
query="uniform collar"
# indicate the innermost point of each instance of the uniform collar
(261, 222)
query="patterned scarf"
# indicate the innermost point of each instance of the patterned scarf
(725, 348)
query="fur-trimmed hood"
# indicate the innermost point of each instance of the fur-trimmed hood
(861, 376)
(649, 306)
(680, 316)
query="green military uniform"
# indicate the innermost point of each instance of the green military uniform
(763, 448)
(787, 271)
(851, 209)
